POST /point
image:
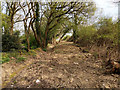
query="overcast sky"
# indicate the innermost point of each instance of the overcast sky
(109, 9)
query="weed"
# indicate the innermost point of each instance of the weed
(15, 82)
(13, 54)
(44, 49)
(32, 53)
(19, 59)
(5, 59)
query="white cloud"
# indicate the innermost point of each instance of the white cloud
(110, 9)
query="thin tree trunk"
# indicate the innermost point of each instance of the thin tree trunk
(74, 36)
(46, 37)
(53, 40)
(12, 25)
(28, 44)
(27, 36)
(62, 37)
(46, 34)
(37, 33)
(75, 28)
(36, 37)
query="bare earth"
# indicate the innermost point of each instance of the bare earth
(63, 66)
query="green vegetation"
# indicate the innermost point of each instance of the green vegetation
(40, 30)
(14, 55)
(104, 32)
(19, 59)
(5, 59)
(45, 22)
(10, 42)
(85, 35)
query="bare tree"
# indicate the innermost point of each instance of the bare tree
(11, 10)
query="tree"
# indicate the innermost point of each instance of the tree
(5, 23)
(67, 27)
(86, 12)
(107, 32)
(53, 14)
(11, 9)
(27, 21)
(46, 19)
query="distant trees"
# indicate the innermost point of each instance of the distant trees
(9, 41)
(27, 20)
(67, 27)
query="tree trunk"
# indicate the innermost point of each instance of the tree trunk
(53, 40)
(74, 36)
(36, 37)
(62, 37)
(46, 38)
(46, 34)
(28, 44)
(75, 28)
(37, 33)
(12, 25)
(27, 35)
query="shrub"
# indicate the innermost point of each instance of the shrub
(32, 41)
(10, 42)
(104, 32)
(5, 59)
(86, 35)
(107, 32)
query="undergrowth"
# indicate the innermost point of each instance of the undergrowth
(17, 56)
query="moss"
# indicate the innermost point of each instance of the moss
(44, 49)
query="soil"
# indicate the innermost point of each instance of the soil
(63, 66)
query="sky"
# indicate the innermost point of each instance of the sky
(105, 8)
(109, 8)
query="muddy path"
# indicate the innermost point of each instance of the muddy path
(64, 66)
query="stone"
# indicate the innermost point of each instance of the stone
(37, 81)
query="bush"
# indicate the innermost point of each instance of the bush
(86, 35)
(104, 32)
(107, 32)
(32, 40)
(10, 42)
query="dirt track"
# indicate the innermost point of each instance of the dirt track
(64, 66)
